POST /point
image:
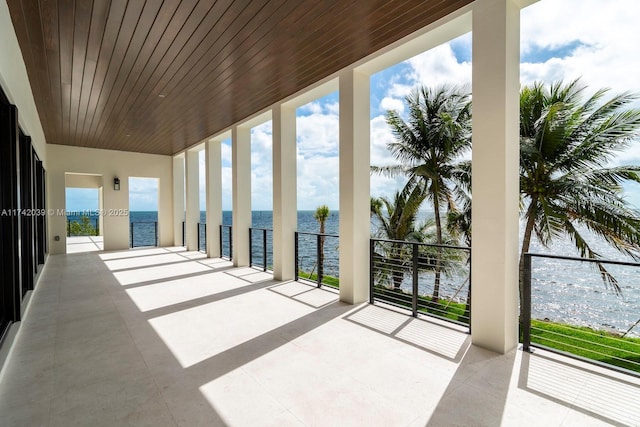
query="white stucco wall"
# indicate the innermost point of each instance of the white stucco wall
(15, 83)
(110, 164)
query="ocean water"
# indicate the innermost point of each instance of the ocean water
(564, 291)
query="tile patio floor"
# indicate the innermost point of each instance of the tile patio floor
(164, 337)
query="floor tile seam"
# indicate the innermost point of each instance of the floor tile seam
(525, 407)
(115, 292)
(112, 308)
(581, 403)
(270, 392)
(342, 372)
(154, 265)
(58, 284)
(287, 407)
(566, 403)
(567, 399)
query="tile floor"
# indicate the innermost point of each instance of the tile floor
(164, 337)
(80, 244)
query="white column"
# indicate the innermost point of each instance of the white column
(101, 209)
(496, 61)
(241, 197)
(193, 205)
(285, 213)
(213, 173)
(178, 199)
(354, 187)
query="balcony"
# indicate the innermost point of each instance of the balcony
(162, 336)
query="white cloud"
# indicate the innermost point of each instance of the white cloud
(439, 66)
(389, 103)
(262, 167)
(333, 108)
(318, 133)
(318, 182)
(314, 107)
(609, 54)
(143, 194)
(317, 158)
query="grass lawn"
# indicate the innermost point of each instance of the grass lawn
(589, 343)
(443, 308)
(326, 280)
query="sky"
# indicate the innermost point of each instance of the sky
(560, 40)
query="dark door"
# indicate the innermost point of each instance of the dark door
(10, 295)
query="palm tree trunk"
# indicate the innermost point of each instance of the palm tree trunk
(436, 282)
(526, 241)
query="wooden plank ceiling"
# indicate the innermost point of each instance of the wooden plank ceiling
(158, 76)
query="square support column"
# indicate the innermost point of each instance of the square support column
(354, 187)
(495, 157)
(193, 202)
(178, 200)
(101, 209)
(241, 197)
(213, 174)
(285, 213)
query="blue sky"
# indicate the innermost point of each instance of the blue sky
(558, 41)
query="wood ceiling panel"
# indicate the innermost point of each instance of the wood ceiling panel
(97, 68)
(135, 53)
(119, 60)
(107, 46)
(82, 25)
(99, 15)
(194, 80)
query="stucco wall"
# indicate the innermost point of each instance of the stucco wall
(64, 159)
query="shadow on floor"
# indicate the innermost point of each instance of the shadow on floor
(588, 389)
(439, 339)
(477, 393)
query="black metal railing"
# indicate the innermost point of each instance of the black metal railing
(184, 233)
(226, 242)
(202, 237)
(260, 248)
(584, 308)
(143, 234)
(317, 258)
(86, 227)
(429, 279)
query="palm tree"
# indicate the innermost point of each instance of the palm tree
(566, 181)
(429, 145)
(397, 220)
(321, 214)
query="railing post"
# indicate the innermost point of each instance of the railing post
(525, 312)
(371, 272)
(414, 292)
(230, 242)
(204, 227)
(295, 250)
(319, 259)
(264, 249)
(131, 234)
(155, 231)
(250, 247)
(183, 232)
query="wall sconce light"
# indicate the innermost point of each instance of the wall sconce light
(116, 184)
